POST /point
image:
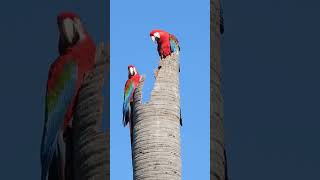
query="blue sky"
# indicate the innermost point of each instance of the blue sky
(131, 22)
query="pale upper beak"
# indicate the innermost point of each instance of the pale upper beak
(153, 38)
(79, 28)
(134, 70)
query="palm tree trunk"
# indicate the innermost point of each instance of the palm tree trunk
(156, 126)
(217, 154)
(89, 151)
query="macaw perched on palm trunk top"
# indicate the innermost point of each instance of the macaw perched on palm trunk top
(167, 43)
(155, 126)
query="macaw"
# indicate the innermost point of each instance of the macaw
(167, 43)
(130, 86)
(66, 75)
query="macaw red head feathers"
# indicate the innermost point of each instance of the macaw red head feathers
(155, 35)
(131, 71)
(159, 36)
(71, 30)
(64, 15)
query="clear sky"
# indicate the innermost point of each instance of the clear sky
(271, 76)
(131, 22)
(29, 43)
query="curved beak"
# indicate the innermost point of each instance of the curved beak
(79, 29)
(153, 39)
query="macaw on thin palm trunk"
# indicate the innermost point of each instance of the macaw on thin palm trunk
(66, 75)
(130, 86)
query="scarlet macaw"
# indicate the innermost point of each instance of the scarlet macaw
(167, 43)
(130, 86)
(66, 75)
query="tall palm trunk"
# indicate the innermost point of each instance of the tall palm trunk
(89, 150)
(217, 154)
(156, 126)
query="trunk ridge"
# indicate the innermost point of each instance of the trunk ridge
(156, 126)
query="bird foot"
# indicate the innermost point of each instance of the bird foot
(156, 72)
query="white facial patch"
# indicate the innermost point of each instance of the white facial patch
(131, 71)
(68, 29)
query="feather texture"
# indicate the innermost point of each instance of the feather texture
(58, 99)
(128, 95)
(174, 43)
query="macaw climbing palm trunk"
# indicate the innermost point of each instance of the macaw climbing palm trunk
(156, 148)
(218, 153)
(89, 150)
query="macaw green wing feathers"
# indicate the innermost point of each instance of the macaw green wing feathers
(58, 100)
(128, 93)
(174, 43)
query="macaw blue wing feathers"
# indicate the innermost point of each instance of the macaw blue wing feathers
(174, 43)
(128, 93)
(57, 102)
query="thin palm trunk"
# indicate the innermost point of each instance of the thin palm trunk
(218, 156)
(89, 150)
(156, 126)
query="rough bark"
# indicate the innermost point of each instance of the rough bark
(89, 151)
(217, 154)
(156, 126)
(107, 114)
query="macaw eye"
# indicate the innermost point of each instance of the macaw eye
(157, 34)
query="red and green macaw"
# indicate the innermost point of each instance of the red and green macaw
(130, 86)
(167, 43)
(66, 75)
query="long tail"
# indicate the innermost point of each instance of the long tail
(55, 170)
(226, 166)
(126, 114)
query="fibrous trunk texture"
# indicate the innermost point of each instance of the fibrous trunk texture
(89, 151)
(217, 147)
(156, 127)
